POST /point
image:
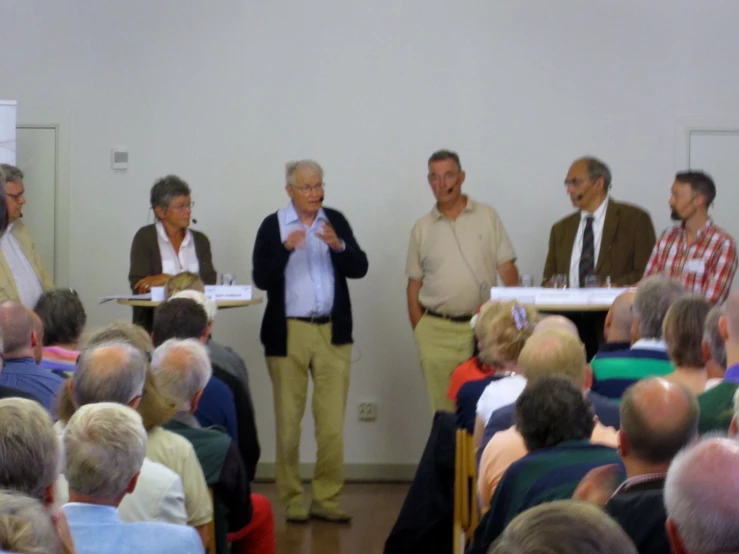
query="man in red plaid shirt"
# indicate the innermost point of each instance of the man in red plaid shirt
(696, 252)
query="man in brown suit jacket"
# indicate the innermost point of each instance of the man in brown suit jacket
(603, 239)
(623, 234)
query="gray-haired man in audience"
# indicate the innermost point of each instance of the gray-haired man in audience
(714, 349)
(700, 497)
(105, 445)
(172, 487)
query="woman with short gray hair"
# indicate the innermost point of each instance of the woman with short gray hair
(167, 247)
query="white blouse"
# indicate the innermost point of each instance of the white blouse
(174, 263)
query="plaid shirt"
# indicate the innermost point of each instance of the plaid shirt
(706, 266)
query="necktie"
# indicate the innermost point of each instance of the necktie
(587, 257)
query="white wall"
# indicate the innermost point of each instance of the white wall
(223, 93)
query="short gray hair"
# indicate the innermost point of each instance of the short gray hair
(109, 372)
(167, 189)
(597, 169)
(653, 298)
(16, 326)
(105, 445)
(25, 525)
(563, 527)
(29, 447)
(700, 501)
(182, 369)
(12, 173)
(292, 167)
(210, 307)
(712, 335)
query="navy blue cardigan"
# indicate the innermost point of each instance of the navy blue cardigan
(269, 261)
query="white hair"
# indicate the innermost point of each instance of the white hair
(105, 445)
(25, 525)
(29, 447)
(292, 167)
(700, 495)
(182, 369)
(210, 307)
(103, 376)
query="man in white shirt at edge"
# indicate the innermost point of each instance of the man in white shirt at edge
(23, 276)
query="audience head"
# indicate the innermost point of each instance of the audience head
(712, 345)
(557, 322)
(692, 191)
(183, 281)
(121, 331)
(734, 427)
(653, 298)
(619, 318)
(555, 352)
(210, 307)
(728, 325)
(109, 372)
(63, 317)
(658, 419)
(38, 328)
(182, 369)
(563, 527)
(180, 318)
(29, 449)
(170, 200)
(683, 330)
(25, 525)
(105, 445)
(553, 410)
(701, 489)
(14, 191)
(505, 330)
(17, 331)
(587, 183)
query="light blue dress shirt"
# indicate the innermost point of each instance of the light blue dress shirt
(99, 530)
(25, 374)
(309, 275)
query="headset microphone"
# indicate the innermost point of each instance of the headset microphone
(195, 221)
(449, 190)
(321, 199)
(579, 197)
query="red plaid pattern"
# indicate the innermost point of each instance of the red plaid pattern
(714, 247)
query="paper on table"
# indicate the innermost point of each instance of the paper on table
(105, 299)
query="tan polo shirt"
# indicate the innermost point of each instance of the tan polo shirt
(458, 260)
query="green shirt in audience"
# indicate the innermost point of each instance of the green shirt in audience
(717, 408)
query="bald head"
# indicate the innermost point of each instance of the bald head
(557, 322)
(732, 317)
(554, 352)
(658, 419)
(701, 489)
(16, 326)
(619, 318)
(109, 372)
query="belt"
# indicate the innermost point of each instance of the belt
(456, 318)
(315, 320)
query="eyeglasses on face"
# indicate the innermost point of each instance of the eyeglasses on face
(182, 207)
(307, 189)
(16, 196)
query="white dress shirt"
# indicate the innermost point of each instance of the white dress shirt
(26, 280)
(173, 263)
(498, 394)
(599, 218)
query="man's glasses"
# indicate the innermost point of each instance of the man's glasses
(307, 189)
(16, 196)
(182, 207)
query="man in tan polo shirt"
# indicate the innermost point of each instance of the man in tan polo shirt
(454, 257)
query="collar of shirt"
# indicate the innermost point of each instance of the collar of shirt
(103, 514)
(598, 214)
(18, 361)
(732, 374)
(650, 344)
(187, 419)
(291, 215)
(469, 208)
(631, 481)
(614, 346)
(163, 234)
(702, 231)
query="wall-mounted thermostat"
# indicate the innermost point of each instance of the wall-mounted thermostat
(119, 157)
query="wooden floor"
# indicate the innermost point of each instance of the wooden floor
(375, 507)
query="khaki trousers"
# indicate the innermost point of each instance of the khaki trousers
(442, 346)
(310, 352)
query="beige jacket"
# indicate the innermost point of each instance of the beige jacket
(8, 289)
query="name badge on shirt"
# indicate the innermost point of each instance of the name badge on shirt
(695, 265)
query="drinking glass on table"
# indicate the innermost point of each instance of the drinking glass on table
(591, 282)
(527, 281)
(228, 279)
(559, 281)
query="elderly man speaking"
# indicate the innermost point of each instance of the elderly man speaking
(303, 256)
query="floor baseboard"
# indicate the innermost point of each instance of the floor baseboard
(352, 472)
